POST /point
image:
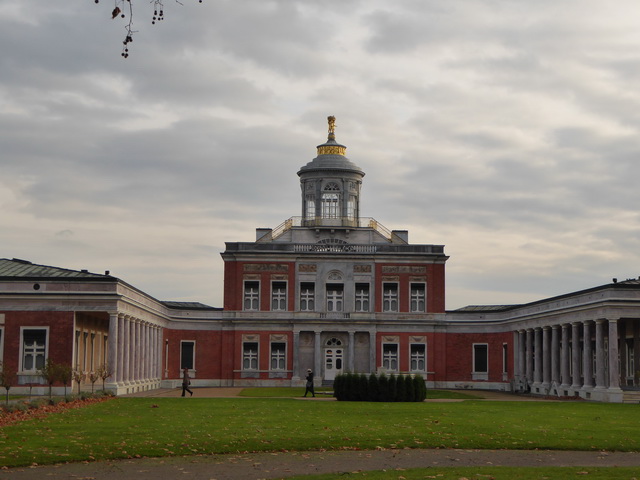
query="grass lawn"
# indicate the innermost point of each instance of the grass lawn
(292, 392)
(131, 427)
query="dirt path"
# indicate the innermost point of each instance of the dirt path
(282, 465)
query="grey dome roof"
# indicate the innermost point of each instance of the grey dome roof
(331, 157)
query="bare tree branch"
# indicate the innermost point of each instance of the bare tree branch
(119, 9)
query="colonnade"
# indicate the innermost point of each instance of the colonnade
(135, 348)
(578, 358)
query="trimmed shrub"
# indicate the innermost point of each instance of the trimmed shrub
(420, 389)
(379, 388)
(392, 384)
(401, 389)
(383, 386)
(374, 388)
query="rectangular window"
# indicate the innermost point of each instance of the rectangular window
(418, 357)
(362, 297)
(330, 203)
(34, 349)
(480, 358)
(334, 297)
(252, 296)
(187, 354)
(307, 297)
(390, 297)
(279, 296)
(278, 356)
(250, 356)
(390, 356)
(418, 298)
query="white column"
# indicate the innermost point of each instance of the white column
(317, 357)
(351, 360)
(144, 373)
(132, 350)
(137, 353)
(537, 356)
(555, 354)
(120, 376)
(296, 356)
(113, 346)
(564, 357)
(546, 357)
(600, 373)
(372, 352)
(587, 356)
(575, 356)
(153, 357)
(529, 354)
(126, 332)
(522, 354)
(614, 369)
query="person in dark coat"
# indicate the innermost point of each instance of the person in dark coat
(309, 386)
(186, 381)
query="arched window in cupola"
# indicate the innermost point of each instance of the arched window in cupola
(331, 200)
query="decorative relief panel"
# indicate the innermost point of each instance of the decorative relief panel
(251, 277)
(250, 338)
(390, 278)
(404, 269)
(422, 339)
(391, 338)
(308, 268)
(418, 279)
(279, 277)
(334, 275)
(362, 269)
(266, 267)
(281, 337)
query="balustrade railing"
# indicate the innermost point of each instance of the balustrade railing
(363, 222)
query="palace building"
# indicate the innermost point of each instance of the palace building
(327, 290)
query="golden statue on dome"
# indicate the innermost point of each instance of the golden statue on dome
(332, 124)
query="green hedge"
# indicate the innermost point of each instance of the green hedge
(357, 387)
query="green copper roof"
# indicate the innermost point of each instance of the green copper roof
(17, 268)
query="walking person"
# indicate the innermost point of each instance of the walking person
(309, 386)
(186, 381)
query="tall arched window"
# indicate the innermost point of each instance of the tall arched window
(331, 201)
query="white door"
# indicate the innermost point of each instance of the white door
(332, 362)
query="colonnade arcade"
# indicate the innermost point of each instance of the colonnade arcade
(578, 358)
(135, 349)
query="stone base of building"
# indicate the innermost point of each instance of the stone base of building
(496, 386)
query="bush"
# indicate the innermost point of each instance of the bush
(379, 388)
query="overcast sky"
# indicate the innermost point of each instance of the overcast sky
(506, 130)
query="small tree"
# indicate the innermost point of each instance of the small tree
(93, 378)
(50, 372)
(65, 374)
(78, 376)
(104, 372)
(7, 379)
